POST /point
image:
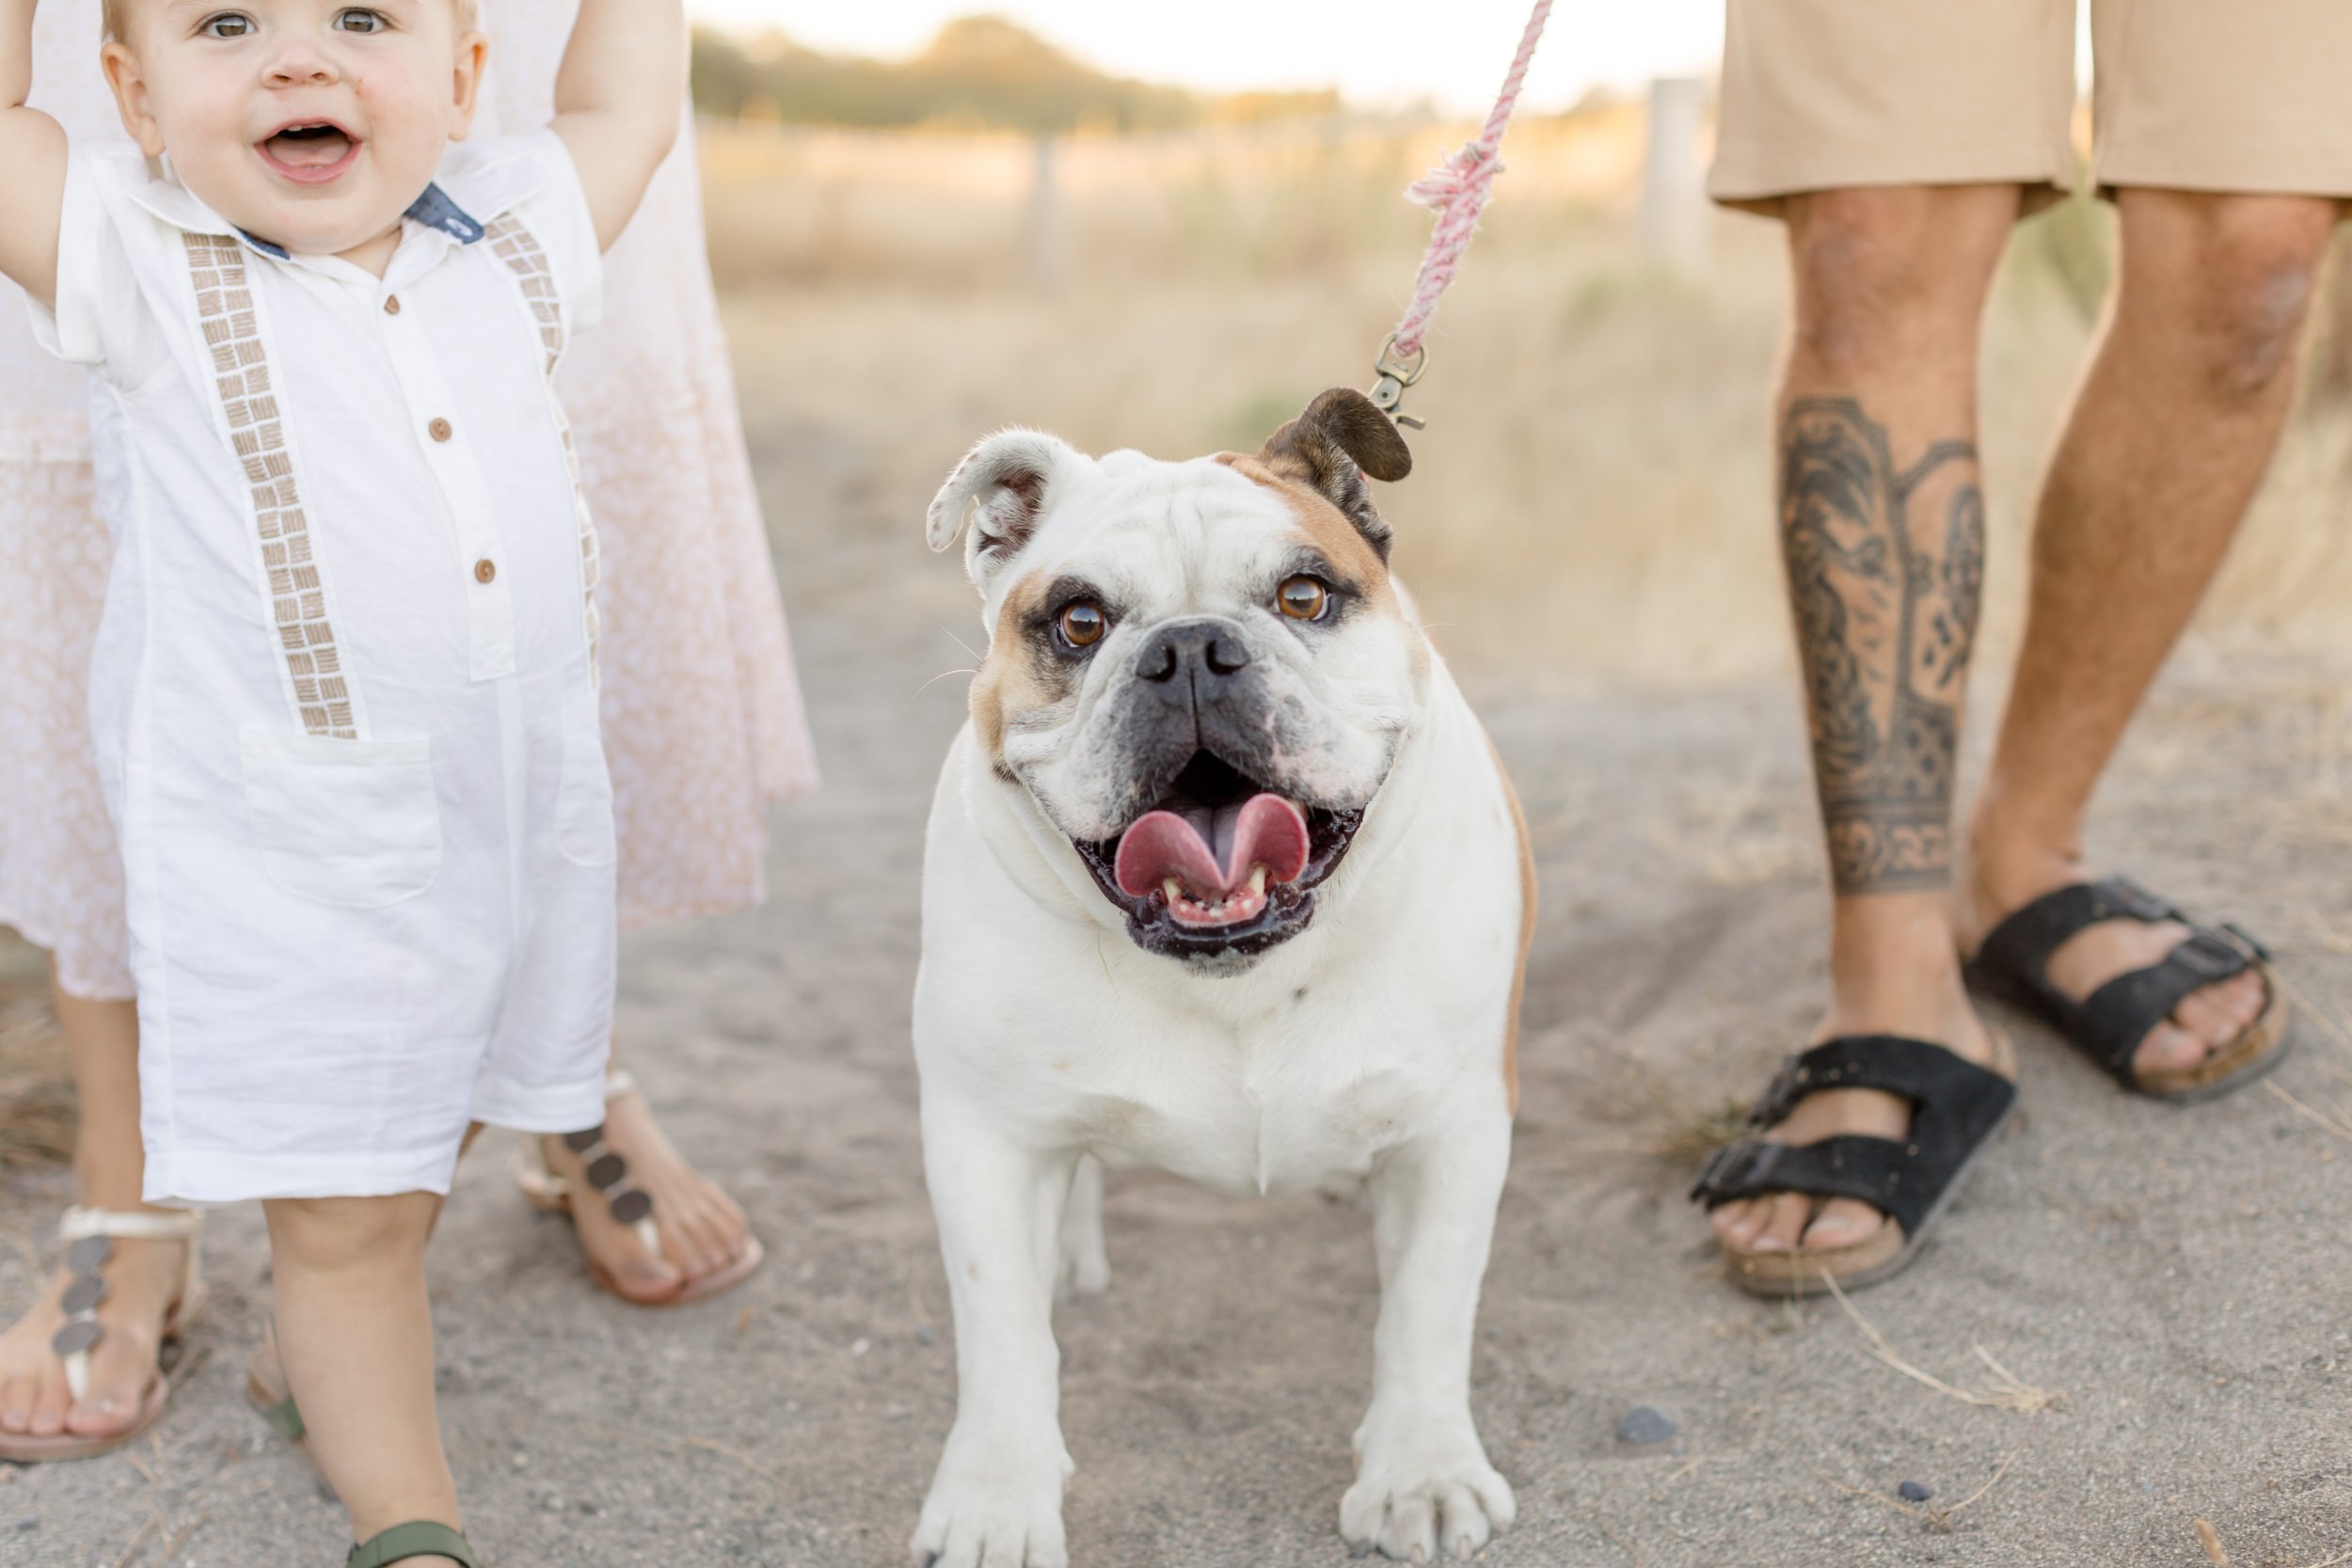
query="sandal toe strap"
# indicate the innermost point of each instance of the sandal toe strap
(2117, 1017)
(418, 1538)
(1880, 1172)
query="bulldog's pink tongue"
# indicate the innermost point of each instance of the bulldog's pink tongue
(1163, 847)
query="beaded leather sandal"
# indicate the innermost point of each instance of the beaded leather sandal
(1956, 1108)
(607, 1175)
(417, 1538)
(89, 1235)
(2109, 1024)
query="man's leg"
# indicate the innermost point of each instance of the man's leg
(1883, 529)
(2169, 437)
(355, 1332)
(142, 1277)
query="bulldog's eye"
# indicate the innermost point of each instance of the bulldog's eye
(1303, 599)
(1083, 623)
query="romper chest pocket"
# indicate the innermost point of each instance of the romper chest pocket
(349, 822)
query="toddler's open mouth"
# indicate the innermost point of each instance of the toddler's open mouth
(310, 151)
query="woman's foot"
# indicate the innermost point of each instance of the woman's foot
(143, 1282)
(703, 1230)
(1893, 973)
(2206, 1023)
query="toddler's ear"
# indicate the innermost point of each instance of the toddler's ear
(473, 57)
(1001, 490)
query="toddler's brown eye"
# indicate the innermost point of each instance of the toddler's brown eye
(1302, 598)
(1083, 623)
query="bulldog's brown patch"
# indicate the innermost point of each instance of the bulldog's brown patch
(1322, 527)
(1527, 930)
(1011, 679)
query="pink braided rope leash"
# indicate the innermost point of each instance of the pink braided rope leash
(1457, 190)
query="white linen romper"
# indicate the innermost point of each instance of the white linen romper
(345, 694)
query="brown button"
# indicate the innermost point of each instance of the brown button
(485, 570)
(391, 305)
(439, 430)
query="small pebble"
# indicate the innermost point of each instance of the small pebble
(1915, 1491)
(859, 1347)
(1645, 1423)
(28, 1523)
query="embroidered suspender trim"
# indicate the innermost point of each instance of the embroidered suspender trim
(515, 245)
(299, 594)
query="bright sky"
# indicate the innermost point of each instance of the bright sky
(1376, 52)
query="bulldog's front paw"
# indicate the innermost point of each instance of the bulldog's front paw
(1423, 1487)
(995, 1503)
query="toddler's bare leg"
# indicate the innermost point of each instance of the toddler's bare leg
(355, 1334)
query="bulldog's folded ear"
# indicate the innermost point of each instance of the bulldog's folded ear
(1340, 438)
(1000, 490)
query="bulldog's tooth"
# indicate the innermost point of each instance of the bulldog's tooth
(1173, 889)
(1257, 879)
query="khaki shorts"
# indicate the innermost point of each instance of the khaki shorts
(2201, 95)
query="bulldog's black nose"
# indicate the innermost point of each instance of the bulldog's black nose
(1208, 648)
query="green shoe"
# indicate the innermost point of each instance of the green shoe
(418, 1538)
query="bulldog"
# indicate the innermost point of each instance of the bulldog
(1222, 876)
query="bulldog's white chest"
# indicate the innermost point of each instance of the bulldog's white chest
(1289, 1098)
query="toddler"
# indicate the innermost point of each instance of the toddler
(343, 695)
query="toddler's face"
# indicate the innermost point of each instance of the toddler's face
(310, 123)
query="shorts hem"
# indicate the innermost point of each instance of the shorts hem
(181, 1179)
(2257, 172)
(1760, 177)
(541, 1107)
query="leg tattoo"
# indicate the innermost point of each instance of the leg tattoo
(1884, 570)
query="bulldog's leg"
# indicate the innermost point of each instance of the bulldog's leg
(1086, 1267)
(995, 1501)
(1421, 1476)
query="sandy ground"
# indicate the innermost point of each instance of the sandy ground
(2178, 1280)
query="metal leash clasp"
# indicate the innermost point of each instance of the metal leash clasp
(1391, 376)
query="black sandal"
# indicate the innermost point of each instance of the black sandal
(417, 1538)
(2109, 1024)
(1956, 1107)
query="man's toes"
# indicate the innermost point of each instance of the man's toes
(1784, 1227)
(2245, 995)
(1842, 1222)
(1735, 1222)
(2169, 1047)
(2209, 1016)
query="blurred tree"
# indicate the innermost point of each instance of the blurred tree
(981, 73)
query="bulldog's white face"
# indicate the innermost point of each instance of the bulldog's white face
(1199, 671)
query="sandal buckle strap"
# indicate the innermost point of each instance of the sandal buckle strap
(1737, 1169)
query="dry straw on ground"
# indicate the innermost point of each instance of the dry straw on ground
(35, 1072)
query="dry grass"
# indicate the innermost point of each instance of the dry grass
(1591, 500)
(36, 1075)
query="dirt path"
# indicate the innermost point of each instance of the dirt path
(2179, 1279)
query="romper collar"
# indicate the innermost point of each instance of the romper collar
(432, 210)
